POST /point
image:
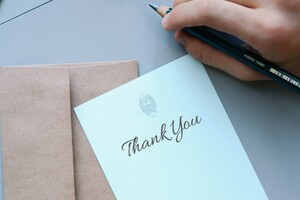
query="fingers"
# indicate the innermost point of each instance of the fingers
(247, 3)
(218, 14)
(213, 57)
(177, 2)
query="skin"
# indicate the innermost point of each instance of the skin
(271, 27)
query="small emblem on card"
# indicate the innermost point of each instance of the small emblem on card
(148, 105)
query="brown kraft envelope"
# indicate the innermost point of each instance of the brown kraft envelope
(36, 134)
(87, 82)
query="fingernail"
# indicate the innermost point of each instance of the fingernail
(164, 21)
(178, 37)
(181, 41)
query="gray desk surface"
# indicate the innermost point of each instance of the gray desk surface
(10, 9)
(265, 115)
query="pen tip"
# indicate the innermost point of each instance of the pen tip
(155, 7)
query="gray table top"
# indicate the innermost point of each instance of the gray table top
(10, 9)
(265, 115)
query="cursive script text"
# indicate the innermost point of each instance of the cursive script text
(177, 131)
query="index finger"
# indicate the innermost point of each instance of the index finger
(218, 14)
(177, 2)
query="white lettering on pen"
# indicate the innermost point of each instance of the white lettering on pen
(249, 57)
(285, 77)
(254, 60)
(260, 63)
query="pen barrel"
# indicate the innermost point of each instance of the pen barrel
(247, 57)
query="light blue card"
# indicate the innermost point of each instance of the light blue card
(166, 136)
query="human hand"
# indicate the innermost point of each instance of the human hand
(271, 27)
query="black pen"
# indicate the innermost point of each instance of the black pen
(225, 43)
